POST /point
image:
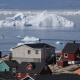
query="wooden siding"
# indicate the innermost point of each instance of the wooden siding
(71, 56)
(62, 63)
(22, 52)
(23, 75)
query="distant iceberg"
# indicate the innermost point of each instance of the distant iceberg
(44, 19)
(30, 39)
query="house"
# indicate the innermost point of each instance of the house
(76, 70)
(58, 77)
(36, 52)
(9, 66)
(30, 69)
(6, 75)
(71, 53)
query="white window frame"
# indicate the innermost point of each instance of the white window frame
(29, 67)
(19, 74)
(65, 54)
(13, 70)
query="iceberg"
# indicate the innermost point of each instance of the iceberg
(44, 19)
(30, 39)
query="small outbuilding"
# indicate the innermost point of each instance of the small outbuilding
(62, 63)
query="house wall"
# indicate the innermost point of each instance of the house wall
(71, 57)
(59, 63)
(22, 52)
(23, 75)
(47, 52)
(62, 63)
(76, 58)
(3, 66)
(77, 71)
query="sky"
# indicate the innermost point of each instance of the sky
(39, 4)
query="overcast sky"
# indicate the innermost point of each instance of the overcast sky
(39, 4)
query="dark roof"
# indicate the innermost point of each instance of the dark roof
(12, 63)
(7, 75)
(58, 77)
(71, 48)
(37, 67)
(37, 45)
(76, 68)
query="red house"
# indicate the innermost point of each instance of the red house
(71, 53)
(26, 70)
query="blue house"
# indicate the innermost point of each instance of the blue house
(9, 66)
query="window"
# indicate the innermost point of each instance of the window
(51, 51)
(14, 70)
(65, 55)
(19, 74)
(29, 67)
(77, 55)
(29, 51)
(36, 51)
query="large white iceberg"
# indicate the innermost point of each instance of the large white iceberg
(44, 19)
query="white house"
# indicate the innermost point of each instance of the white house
(36, 52)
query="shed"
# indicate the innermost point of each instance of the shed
(62, 63)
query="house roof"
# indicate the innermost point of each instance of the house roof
(71, 48)
(12, 63)
(58, 77)
(37, 67)
(76, 68)
(7, 75)
(37, 45)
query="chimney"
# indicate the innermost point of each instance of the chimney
(73, 42)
